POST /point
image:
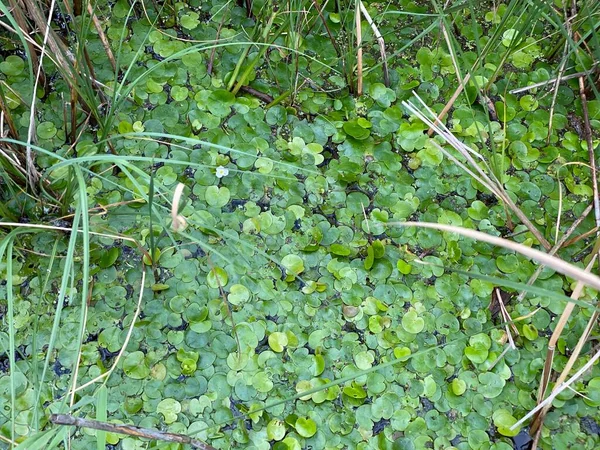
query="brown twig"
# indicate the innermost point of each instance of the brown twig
(441, 115)
(129, 430)
(588, 138)
(563, 242)
(359, 53)
(102, 37)
(209, 68)
(322, 17)
(260, 95)
(585, 235)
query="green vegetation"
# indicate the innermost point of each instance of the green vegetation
(241, 222)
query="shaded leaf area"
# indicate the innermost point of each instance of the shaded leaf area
(290, 273)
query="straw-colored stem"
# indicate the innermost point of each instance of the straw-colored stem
(380, 42)
(359, 52)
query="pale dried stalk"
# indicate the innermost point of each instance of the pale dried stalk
(586, 121)
(556, 248)
(590, 146)
(543, 258)
(552, 80)
(559, 78)
(32, 175)
(562, 322)
(490, 181)
(102, 36)
(558, 390)
(178, 222)
(359, 54)
(577, 350)
(380, 42)
(8, 441)
(125, 344)
(457, 92)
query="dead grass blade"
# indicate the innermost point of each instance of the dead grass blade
(487, 179)
(178, 222)
(559, 388)
(553, 80)
(102, 37)
(588, 139)
(359, 54)
(544, 258)
(559, 78)
(380, 42)
(125, 344)
(564, 241)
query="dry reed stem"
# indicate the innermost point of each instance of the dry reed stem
(558, 390)
(489, 181)
(553, 262)
(552, 80)
(128, 430)
(441, 115)
(380, 42)
(103, 37)
(359, 54)
(566, 314)
(557, 247)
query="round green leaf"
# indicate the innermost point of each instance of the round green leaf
(278, 341)
(169, 408)
(412, 323)
(135, 366)
(306, 427)
(238, 294)
(217, 277)
(12, 66)
(46, 130)
(217, 196)
(358, 129)
(275, 430)
(293, 265)
(262, 383)
(593, 392)
(504, 420)
(458, 386)
(109, 257)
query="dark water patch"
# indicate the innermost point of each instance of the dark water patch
(522, 441)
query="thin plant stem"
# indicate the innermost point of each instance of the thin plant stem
(129, 430)
(359, 51)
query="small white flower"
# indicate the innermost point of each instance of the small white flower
(222, 172)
